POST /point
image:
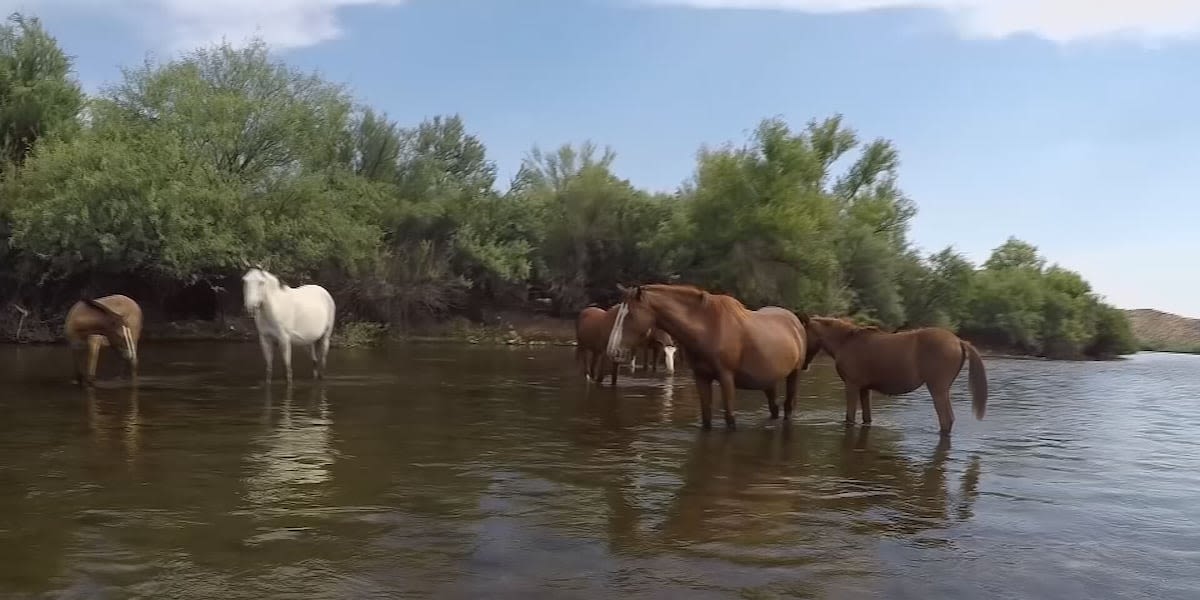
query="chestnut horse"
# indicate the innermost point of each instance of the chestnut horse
(658, 345)
(722, 340)
(114, 321)
(591, 334)
(592, 329)
(897, 363)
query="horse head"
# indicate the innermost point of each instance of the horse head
(634, 324)
(117, 331)
(829, 333)
(256, 284)
(812, 341)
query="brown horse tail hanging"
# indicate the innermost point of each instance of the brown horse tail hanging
(977, 379)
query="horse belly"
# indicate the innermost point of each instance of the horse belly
(311, 314)
(747, 381)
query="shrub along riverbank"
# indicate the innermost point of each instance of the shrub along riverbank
(162, 186)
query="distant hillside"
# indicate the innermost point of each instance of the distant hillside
(1157, 330)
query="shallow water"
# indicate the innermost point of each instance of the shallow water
(463, 471)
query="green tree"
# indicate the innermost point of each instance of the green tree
(594, 231)
(756, 222)
(38, 95)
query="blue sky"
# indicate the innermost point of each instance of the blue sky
(1067, 123)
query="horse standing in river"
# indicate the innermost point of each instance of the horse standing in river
(287, 316)
(659, 345)
(897, 363)
(591, 335)
(114, 321)
(722, 340)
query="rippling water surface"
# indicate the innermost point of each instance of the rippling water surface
(460, 471)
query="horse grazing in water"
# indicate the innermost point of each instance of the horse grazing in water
(114, 321)
(897, 363)
(722, 340)
(287, 316)
(660, 344)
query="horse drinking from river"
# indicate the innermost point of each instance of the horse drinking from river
(660, 344)
(114, 321)
(897, 363)
(287, 316)
(722, 340)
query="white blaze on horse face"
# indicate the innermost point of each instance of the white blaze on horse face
(669, 358)
(614, 337)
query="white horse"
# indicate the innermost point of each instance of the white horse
(289, 316)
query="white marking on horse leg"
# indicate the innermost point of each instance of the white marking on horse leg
(669, 357)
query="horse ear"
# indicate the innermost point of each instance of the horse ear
(624, 290)
(637, 294)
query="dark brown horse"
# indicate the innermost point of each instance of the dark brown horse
(868, 359)
(659, 345)
(114, 321)
(722, 341)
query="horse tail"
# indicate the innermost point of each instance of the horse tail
(110, 313)
(977, 379)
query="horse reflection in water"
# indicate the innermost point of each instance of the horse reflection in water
(122, 414)
(786, 490)
(294, 453)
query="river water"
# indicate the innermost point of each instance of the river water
(454, 471)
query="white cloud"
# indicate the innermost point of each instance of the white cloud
(185, 24)
(1056, 20)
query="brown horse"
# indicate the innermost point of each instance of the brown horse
(109, 321)
(591, 335)
(897, 363)
(659, 345)
(722, 340)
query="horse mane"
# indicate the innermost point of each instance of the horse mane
(110, 313)
(851, 327)
(707, 299)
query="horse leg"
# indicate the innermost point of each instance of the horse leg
(285, 352)
(325, 351)
(771, 405)
(615, 367)
(864, 400)
(704, 392)
(790, 393)
(79, 361)
(852, 395)
(727, 393)
(315, 358)
(941, 404)
(268, 353)
(93, 357)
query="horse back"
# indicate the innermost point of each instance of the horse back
(762, 345)
(896, 363)
(312, 312)
(593, 326)
(83, 319)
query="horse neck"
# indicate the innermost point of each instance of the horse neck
(682, 320)
(836, 338)
(272, 299)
